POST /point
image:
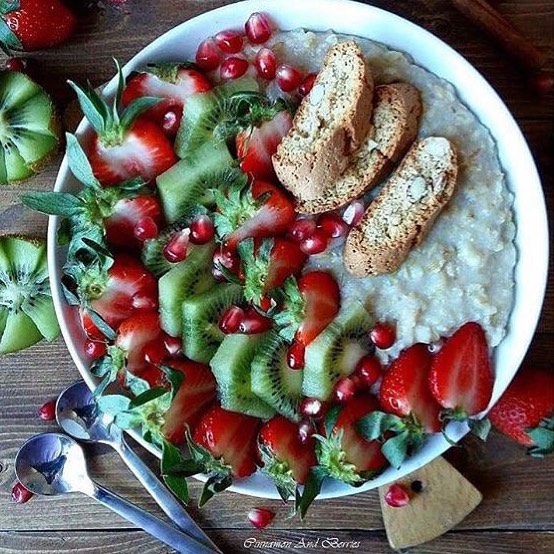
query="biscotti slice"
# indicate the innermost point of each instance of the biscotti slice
(395, 123)
(404, 210)
(330, 124)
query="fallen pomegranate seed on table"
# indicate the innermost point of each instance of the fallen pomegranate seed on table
(397, 496)
(47, 412)
(20, 494)
(260, 517)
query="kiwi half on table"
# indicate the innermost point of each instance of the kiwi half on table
(26, 310)
(29, 127)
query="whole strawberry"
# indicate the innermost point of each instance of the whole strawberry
(525, 412)
(34, 24)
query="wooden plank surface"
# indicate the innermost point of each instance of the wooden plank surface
(517, 511)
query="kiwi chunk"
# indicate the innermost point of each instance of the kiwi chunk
(29, 127)
(26, 310)
(273, 380)
(201, 313)
(337, 350)
(187, 278)
(231, 367)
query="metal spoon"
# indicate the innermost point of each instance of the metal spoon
(78, 415)
(51, 464)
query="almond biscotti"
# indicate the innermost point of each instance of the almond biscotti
(404, 210)
(329, 126)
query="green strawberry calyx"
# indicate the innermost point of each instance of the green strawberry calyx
(279, 471)
(543, 437)
(8, 39)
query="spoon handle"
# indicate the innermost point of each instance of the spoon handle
(167, 502)
(149, 523)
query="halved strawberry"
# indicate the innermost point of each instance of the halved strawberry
(197, 391)
(256, 145)
(285, 458)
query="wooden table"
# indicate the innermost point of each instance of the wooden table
(516, 515)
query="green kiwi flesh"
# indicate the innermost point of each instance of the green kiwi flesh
(231, 366)
(201, 313)
(26, 310)
(337, 350)
(273, 380)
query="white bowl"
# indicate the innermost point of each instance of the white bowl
(428, 51)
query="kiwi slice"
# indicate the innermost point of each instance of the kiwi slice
(231, 368)
(337, 350)
(26, 310)
(29, 127)
(272, 378)
(187, 278)
(201, 313)
(204, 112)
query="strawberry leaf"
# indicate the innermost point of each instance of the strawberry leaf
(280, 472)
(374, 425)
(135, 108)
(113, 404)
(289, 319)
(79, 164)
(256, 267)
(215, 483)
(172, 463)
(543, 437)
(61, 204)
(8, 39)
(480, 427)
(312, 488)
(93, 107)
(175, 378)
(135, 384)
(147, 396)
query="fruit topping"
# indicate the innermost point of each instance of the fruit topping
(233, 68)
(307, 84)
(202, 230)
(229, 41)
(369, 370)
(397, 496)
(258, 28)
(288, 78)
(383, 335)
(208, 55)
(265, 63)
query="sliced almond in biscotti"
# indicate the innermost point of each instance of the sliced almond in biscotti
(404, 210)
(395, 123)
(330, 124)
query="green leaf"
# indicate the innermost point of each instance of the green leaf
(312, 488)
(147, 396)
(119, 92)
(128, 420)
(135, 108)
(8, 39)
(543, 437)
(7, 6)
(331, 419)
(93, 107)
(100, 322)
(79, 164)
(113, 404)
(52, 203)
(214, 484)
(395, 449)
(480, 427)
(136, 385)
(175, 378)
(374, 425)
(178, 486)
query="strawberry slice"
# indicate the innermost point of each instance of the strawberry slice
(405, 388)
(256, 145)
(461, 377)
(286, 459)
(197, 391)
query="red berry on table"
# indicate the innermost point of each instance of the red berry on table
(229, 41)
(20, 494)
(202, 230)
(313, 407)
(47, 412)
(316, 243)
(258, 28)
(265, 63)
(295, 355)
(260, 517)
(288, 78)
(332, 225)
(233, 68)
(145, 229)
(230, 319)
(176, 248)
(353, 213)
(208, 55)
(307, 84)
(383, 335)
(95, 349)
(397, 496)
(369, 370)
(302, 229)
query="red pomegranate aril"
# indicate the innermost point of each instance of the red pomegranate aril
(202, 230)
(47, 412)
(20, 494)
(260, 517)
(16, 64)
(345, 389)
(95, 349)
(254, 323)
(353, 213)
(154, 352)
(295, 355)
(542, 83)
(369, 370)
(288, 77)
(142, 302)
(265, 63)
(171, 122)
(332, 225)
(266, 303)
(383, 335)
(307, 84)
(173, 345)
(208, 55)
(233, 68)
(315, 244)
(305, 431)
(176, 248)
(302, 229)
(229, 41)
(230, 319)
(397, 496)
(145, 229)
(258, 28)
(313, 407)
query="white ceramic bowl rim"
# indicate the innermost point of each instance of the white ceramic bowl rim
(353, 18)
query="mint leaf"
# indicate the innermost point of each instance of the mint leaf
(113, 404)
(79, 164)
(312, 488)
(373, 426)
(53, 203)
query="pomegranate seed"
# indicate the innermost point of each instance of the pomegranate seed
(288, 77)
(254, 323)
(20, 494)
(142, 302)
(176, 248)
(230, 319)
(154, 352)
(542, 83)
(307, 84)
(47, 412)
(171, 122)
(208, 55)
(353, 213)
(229, 41)
(315, 244)
(369, 370)
(266, 303)
(233, 68)
(258, 28)
(16, 64)
(313, 407)
(145, 229)
(229, 260)
(332, 225)
(95, 349)
(260, 517)
(305, 431)
(173, 345)
(202, 230)
(295, 355)
(383, 335)
(302, 229)
(346, 388)
(397, 496)
(265, 63)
